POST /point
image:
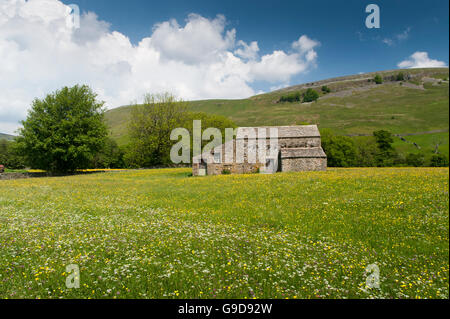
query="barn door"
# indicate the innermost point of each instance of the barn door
(202, 168)
(271, 166)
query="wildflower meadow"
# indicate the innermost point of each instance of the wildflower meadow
(164, 234)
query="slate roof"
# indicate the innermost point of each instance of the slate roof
(283, 131)
(315, 152)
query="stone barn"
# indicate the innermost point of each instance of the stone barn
(297, 148)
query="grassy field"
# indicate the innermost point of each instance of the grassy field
(162, 234)
(391, 106)
(427, 143)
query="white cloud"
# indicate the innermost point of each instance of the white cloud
(247, 51)
(388, 41)
(397, 38)
(92, 29)
(311, 56)
(404, 35)
(277, 67)
(280, 66)
(305, 44)
(201, 59)
(420, 60)
(200, 40)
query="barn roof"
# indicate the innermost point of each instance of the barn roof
(316, 152)
(283, 131)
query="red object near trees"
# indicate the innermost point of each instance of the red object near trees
(2, 168)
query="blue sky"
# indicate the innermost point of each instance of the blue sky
(347, 46)
(204, 49)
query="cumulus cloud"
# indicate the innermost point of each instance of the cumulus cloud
(198, 59)
(280, 66)
(200, 40)
(420, 60)
(305, 44)
(247, 51)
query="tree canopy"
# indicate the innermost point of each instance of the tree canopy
(151, 125)
(378, 79)
(63, 131)
(311, 95)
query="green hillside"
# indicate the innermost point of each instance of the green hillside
(355, 106)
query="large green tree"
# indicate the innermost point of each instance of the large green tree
(341, 150)
(415, 159)
(387, 155)
(4, 150)
(151, 125)
(110, 156)
(9, 156)
(439, 160)
(64, 131)
(367, 150)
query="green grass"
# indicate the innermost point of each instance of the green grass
(398, 109)
(8, 170)
(117, 120)
(441, 76)
(162, 234)
(426, 142)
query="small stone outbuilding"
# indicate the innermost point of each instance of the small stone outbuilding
(299, 149)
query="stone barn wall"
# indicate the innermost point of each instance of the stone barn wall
(299, 150)
(303, 164)
(214, 168)
(298, 159)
